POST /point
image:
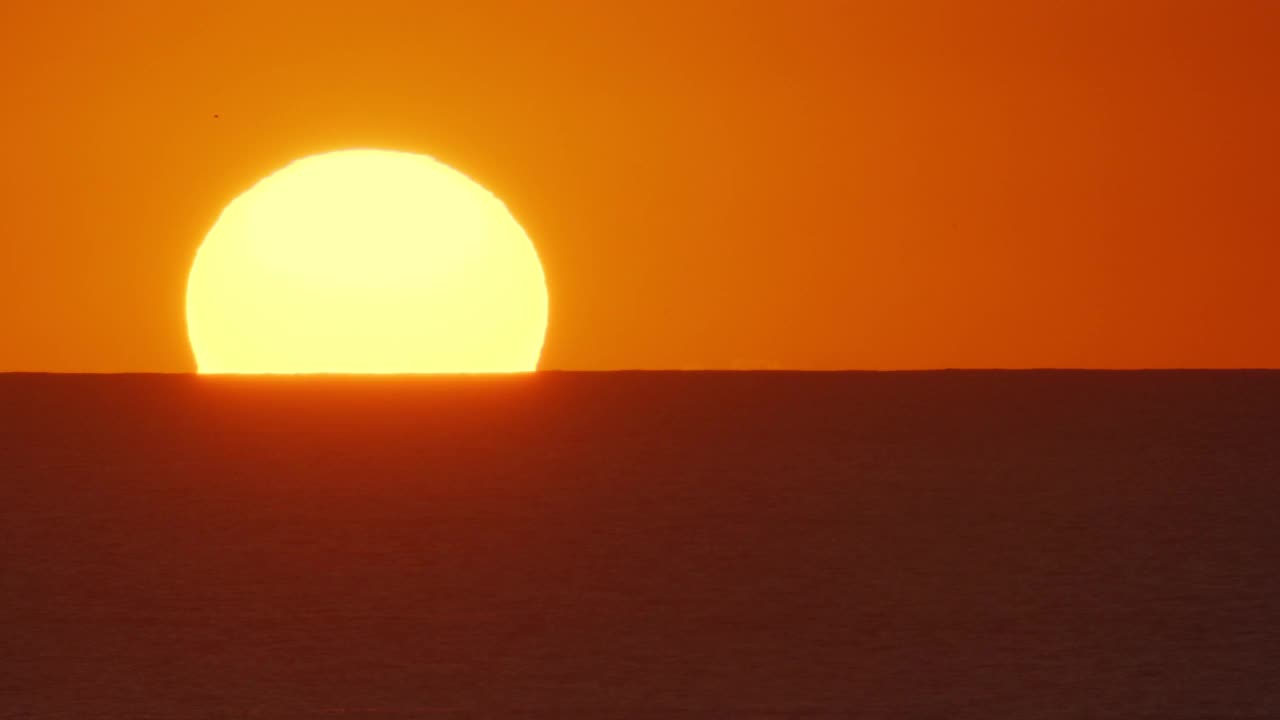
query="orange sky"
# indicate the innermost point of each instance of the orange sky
(710, 184)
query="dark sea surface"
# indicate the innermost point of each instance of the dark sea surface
(641, 545)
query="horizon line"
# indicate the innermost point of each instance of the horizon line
(615, 371)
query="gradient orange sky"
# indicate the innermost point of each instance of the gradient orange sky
(807, 185)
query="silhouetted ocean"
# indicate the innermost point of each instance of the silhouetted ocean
(641, 545)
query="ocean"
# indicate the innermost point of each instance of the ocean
(1033, 544)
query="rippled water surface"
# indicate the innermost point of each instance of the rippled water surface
(641, 545)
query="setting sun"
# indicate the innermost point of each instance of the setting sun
(366, 261)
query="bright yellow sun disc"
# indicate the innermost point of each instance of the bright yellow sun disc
(366, 261)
